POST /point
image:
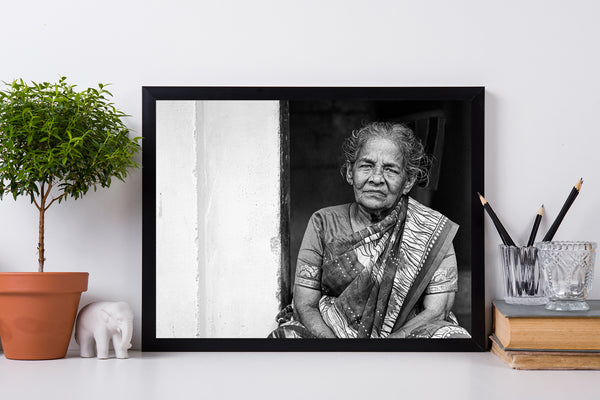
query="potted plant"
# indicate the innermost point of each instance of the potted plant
(55, 143)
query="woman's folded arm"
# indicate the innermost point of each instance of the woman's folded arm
(306, 304)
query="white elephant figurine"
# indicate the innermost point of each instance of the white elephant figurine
(99, 322)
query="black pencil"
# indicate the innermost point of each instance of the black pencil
(536, 225)
(506, 239)
(563, 211)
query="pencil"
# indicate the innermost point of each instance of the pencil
(536, 225)
(563, 211)
(506, 239)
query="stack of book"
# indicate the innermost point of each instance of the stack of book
(531, 337)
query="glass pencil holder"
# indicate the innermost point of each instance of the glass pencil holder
(569, 270)
(524, 281)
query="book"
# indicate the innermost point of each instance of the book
(524, 327)
(544, 359)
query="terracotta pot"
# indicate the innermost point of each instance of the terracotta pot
(37, 312)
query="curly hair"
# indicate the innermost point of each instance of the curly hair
(416, 162)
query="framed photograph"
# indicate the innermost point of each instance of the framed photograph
(313, 219)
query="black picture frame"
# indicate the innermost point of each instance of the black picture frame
(471, 98)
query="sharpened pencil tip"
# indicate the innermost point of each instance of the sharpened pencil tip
(482, 199)
(578, 184)
(541, 212)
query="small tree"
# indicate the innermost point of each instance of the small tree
(56, 142)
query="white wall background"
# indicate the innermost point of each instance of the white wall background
(177, 273)
(538, 61)
(217, 219)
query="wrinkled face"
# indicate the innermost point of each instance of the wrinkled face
(377, 176)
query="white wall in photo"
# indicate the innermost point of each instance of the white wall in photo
(218, 205)
(177, 252)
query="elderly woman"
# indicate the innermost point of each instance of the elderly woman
(383, 266)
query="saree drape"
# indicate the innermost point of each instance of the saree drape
(372, 280)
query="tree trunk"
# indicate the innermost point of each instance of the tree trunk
(42, 208)
(41, 239)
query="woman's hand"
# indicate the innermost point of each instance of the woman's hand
(306, 304)
(436, 307)
(399, 334)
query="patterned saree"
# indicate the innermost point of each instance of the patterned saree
(372, 280)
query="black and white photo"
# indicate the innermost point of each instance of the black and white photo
(313, 218)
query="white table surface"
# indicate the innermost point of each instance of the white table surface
(289, 376)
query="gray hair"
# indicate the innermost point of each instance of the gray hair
(416, 162)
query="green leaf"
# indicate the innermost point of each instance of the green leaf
(55, 133)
